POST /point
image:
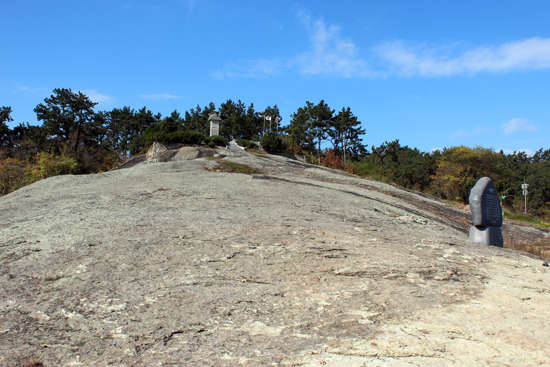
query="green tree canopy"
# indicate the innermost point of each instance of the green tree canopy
(5, 117)
(66, 115)
(344, 133)
(309, 125)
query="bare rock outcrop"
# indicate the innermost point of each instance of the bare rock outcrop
(166, 264)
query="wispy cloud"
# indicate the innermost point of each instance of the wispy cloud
(190, 5)
(261, 68)
(160, 96)
(95, 96)
(329, 53)
(463, 134)
(429, 60)
(24, 88)
(460, 134)
(519, 124)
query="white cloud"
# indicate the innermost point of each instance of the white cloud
(426, 60)
(95, 96)
(518, 124)
(462, 134)
(329, 53)
(159, 96)
(436, 149)
(249, 69)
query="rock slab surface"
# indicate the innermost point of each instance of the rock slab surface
(167, 264)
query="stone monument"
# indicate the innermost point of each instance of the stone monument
(214, 121)
(486, 214)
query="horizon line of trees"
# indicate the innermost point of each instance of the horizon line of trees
(73, 138)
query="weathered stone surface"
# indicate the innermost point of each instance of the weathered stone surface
(485, 204)
(491, 236)
(155, 150)
(166, 264)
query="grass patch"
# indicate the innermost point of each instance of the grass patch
(519, 217)
(228, 166)
(537, 248)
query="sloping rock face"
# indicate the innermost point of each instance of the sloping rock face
(167, 264)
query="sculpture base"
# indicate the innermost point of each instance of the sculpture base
(490, 236)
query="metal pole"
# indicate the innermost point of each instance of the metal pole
(525, 195)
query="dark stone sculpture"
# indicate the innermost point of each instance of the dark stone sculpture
(486, 214)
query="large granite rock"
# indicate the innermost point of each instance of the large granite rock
(168, 264)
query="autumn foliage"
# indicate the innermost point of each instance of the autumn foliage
(332, 160)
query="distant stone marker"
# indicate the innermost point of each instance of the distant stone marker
(486, 214)
(215, 121)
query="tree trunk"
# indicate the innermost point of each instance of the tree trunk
(319, 149)
(344, 151)
(78, 128)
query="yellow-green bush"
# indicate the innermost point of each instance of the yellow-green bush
(47, 165)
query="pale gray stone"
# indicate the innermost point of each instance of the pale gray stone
(215, 122)
(491, 236)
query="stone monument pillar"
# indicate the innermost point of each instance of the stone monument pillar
(214, 121)
(486, 214)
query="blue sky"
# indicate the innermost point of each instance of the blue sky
(432, 74)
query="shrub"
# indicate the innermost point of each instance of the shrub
(216, 140)
(185, 137)
(48, 165)
(271, 142)
(332, 160)
(12, 171)
(364, 169)
(291, 146)
(247, 144)
(141, 143)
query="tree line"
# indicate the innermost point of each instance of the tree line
(451, 173)
(74, 138)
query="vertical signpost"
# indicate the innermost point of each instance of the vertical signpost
(262, 116)
(525, 190)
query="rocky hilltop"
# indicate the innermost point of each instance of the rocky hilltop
(172, 261)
